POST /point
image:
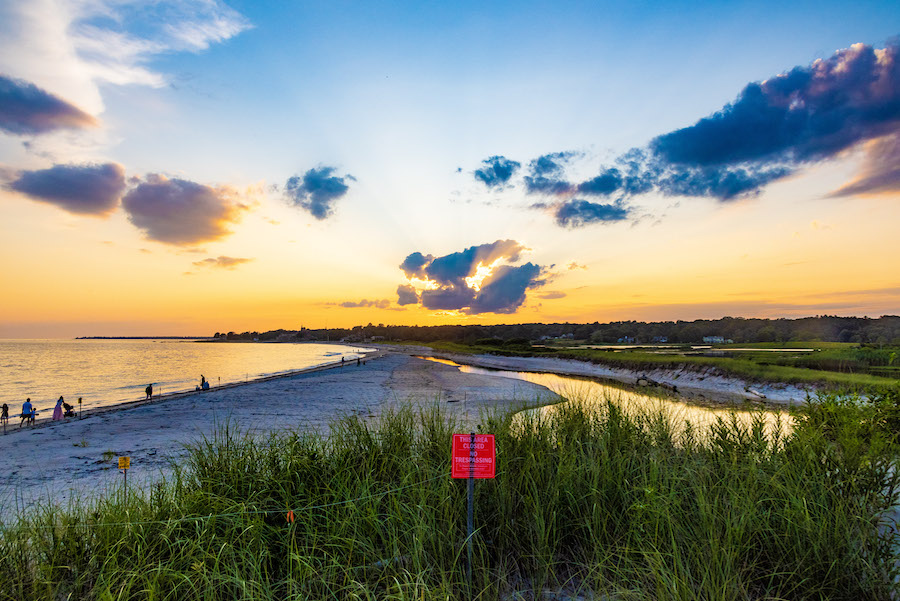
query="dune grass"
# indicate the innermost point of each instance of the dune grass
(587, 499)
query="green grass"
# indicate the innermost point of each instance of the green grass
(835, 368)
(586, 499)
(815, 344)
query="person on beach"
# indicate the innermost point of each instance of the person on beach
(27, 412)
(58, 410)
(149, 391)
(4, 414)
(204, 385)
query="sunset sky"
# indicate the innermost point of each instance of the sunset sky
(186, 167)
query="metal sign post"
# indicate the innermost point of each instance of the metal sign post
(470, 521)
(473, 456)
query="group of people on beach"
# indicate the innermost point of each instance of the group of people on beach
(60, 412)
(204, 385)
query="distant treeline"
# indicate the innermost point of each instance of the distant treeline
(825, 328)
(141, 338)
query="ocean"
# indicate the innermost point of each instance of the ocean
(107, 372)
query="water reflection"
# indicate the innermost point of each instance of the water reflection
(680, 412)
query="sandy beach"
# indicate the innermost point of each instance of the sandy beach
(63, 461)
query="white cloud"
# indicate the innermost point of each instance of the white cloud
(71, 47)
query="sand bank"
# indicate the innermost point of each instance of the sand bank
(73, 459)
(697, 386)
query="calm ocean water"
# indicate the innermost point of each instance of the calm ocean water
(106, 372)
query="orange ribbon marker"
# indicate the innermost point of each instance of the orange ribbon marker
(290, 517)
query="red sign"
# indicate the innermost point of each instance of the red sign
(474, 456)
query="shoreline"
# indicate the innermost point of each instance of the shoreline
(168, 396)
(74, 460)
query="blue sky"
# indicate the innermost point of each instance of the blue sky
(385, 112)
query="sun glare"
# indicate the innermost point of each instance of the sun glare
(481, 273)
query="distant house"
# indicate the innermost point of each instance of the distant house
(714, 339)
(659, 339)
(628, 339)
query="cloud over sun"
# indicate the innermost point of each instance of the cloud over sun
(479, 279)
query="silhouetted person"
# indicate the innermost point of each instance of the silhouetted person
(149, 391)
(58, 410)
(4, 414)
(27, 412)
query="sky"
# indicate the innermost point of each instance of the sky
(191, 166)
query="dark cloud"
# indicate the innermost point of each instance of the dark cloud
(550, 165)
(609, 181)
(639, 175)
(26, 109)
(805, 115)
(375, 304)
(413, 265)
(221, 262)
(773, 128)
(181, 212)
(79, 189)
(576, 213)
(317, 191)
(548, 186)
(448, 298)
(406, 295)
(547, 174)
(723, 184)
(496, 171)
(452, 268)
(502, 291)
(881, 171)
(808, 113)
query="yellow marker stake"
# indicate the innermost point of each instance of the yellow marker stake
(124, 464)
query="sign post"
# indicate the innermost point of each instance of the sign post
(473, 456)
(124, 464)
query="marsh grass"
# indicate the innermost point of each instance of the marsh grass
(833, 368)
(587, 498)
